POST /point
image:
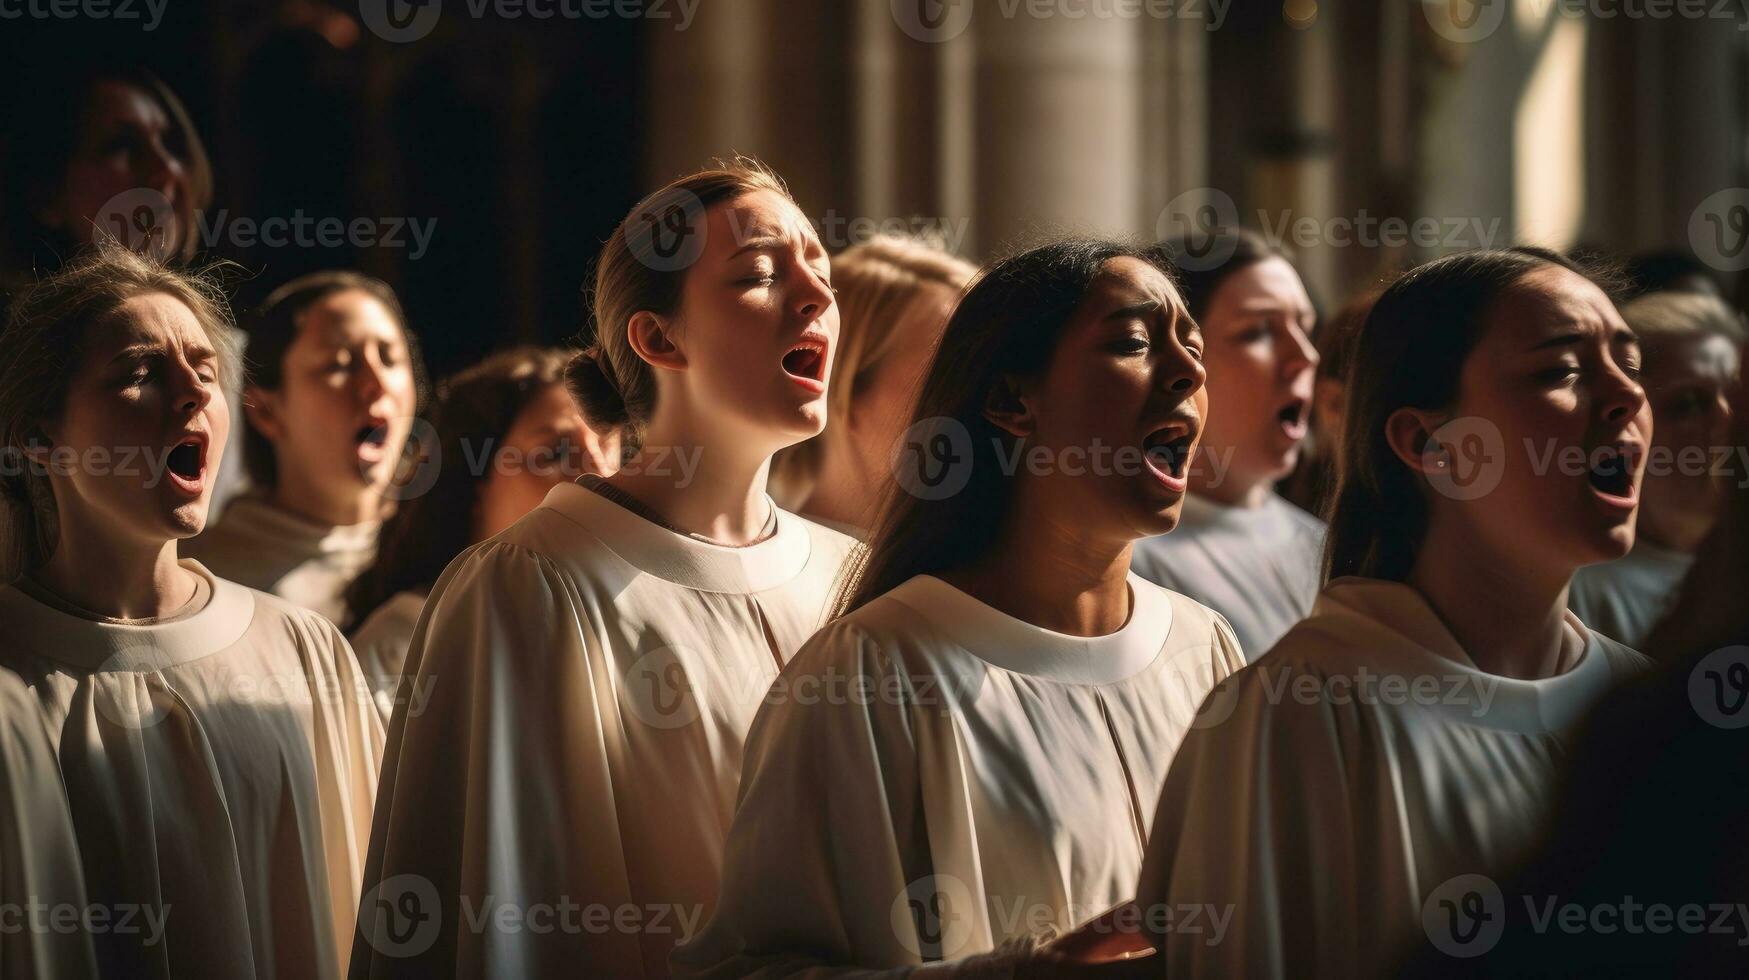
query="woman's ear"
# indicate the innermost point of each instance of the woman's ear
(263, 410)
(1006, 408)
(1410, 432)
(652, 338)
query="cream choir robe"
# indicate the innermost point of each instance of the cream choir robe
(256, 544)
(1625, 598)
(219, 768)
(381, 644)
(1258, 567)
(40, 876)
(933, 779)
(1331, 789)
(559, 804)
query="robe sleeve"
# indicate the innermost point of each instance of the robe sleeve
(1262, 821)
(348, 748)
(1229, 654)
(496, 790)
(39, 854)
(828, 871)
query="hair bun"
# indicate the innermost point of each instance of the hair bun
(589, 378)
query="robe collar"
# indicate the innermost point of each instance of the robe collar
(1012, 644)
(683, 559)
(44, 631)
(1395, 620)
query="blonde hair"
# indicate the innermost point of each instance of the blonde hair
(876, 282)
(613, 385)
(1657, 317)
(40, 351)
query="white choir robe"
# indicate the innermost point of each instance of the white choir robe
(1325, 819)
(589, 679)
(39, 854)
(1625, 598)
(220, 769)
(1259, 567)
(381, 643)
(256, 544)
(991, 786)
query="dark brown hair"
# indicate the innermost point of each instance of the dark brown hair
(1410, 352)
(475, 410)
(274, 328)
(1007, 325)
(41, 144)
(1200, 280)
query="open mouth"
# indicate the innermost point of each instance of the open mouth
(1611, 472)
(1168, 449)
(372, 435)
(1293, 417)
(806, 360)
(184, 461)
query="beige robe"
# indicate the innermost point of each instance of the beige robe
(932, 779)
(1258, 567)
(219, 769)
(256, 544)
(1338, 792)
(40, 876)
(558, 804)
